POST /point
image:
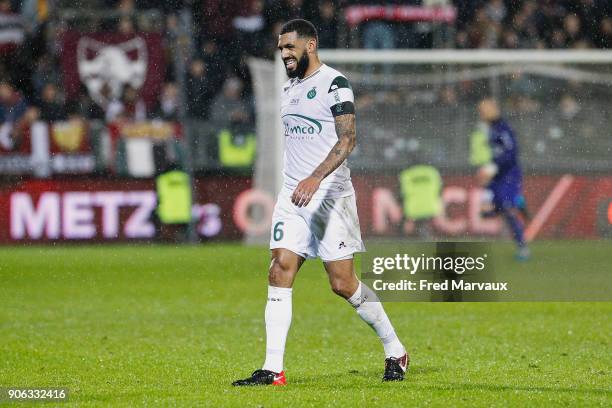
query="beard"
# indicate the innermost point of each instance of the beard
(301, 67)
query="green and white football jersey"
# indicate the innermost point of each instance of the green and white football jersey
(308, 108)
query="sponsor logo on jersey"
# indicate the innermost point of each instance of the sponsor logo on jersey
(301, 125)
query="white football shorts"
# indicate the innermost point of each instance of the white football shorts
(326, 228)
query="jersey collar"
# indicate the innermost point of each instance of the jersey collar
(298, 80)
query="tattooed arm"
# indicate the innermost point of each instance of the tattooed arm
(345, 129)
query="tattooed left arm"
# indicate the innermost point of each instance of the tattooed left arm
(345, 129)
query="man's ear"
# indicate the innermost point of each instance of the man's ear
(311, 46)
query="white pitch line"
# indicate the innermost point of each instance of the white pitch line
(548, 207)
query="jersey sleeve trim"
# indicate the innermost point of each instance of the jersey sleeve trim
(338, 83)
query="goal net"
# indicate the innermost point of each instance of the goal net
(419, 107)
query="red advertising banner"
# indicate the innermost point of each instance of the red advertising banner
(355, 15)
(106, 62)
(563, 207)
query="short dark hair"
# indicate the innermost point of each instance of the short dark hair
(303, 28)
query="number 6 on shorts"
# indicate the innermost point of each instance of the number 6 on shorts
(278, 232)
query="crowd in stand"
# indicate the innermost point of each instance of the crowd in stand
(534, 24)
(226, 32)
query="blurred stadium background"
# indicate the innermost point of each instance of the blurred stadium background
(100, 99)
(156, 121)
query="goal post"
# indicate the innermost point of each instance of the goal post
(470, 57)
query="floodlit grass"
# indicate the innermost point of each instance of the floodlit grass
(164, 325)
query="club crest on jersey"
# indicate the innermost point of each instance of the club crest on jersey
(312, 93)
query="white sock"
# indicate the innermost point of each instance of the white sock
(369, 308)
(278, 320)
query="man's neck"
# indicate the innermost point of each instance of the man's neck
(312, 67)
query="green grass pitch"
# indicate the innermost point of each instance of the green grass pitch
(173, 326)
